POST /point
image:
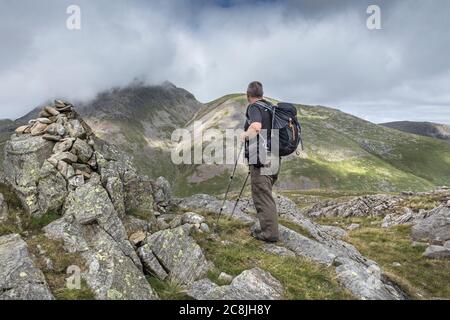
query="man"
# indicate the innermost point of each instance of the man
(259, 119)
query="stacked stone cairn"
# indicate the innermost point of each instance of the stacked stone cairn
(73, 154)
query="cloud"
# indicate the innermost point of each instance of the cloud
(314, 52)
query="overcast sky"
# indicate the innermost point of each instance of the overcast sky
(313, 52)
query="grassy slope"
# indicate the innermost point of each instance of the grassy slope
(347, 153)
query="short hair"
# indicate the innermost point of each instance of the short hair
(255, 89)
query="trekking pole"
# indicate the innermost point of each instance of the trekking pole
(240, 194)
(229, 184)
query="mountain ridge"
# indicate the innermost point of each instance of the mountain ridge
(427, 129)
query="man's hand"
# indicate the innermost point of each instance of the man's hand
(244, 136)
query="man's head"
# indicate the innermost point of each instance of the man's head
(255, 91)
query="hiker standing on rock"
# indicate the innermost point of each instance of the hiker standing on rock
(257, 136)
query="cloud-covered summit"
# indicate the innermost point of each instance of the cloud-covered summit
(315, 52)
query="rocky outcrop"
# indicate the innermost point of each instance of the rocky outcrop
(374, 205)
(58, 153)
(4, 212)
(177, 254)
(435, 227)
(254, 284)
(435, 230)
(91, 227)
(19, 277)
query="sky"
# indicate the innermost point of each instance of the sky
(313, 52)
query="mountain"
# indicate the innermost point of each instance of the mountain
(427, 129)
(72, 201)
(342, 152)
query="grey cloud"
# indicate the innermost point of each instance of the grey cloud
(316, 52)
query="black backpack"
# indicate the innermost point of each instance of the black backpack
(284, 118)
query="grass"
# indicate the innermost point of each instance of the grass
(301, 278)
(168, 290)
(56, 276)
(421, 278)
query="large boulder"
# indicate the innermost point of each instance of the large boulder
(24, 156)
(91, 227)
(162, 194)
(178, 254)
(19, 277)
(435, 227)
(254, 284)
(438, 252)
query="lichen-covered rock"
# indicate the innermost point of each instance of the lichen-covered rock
(192, 218)
(91, 227)
(114, 187)
(207, 203)
(254, 284)
(139, 194)
(75, 129)
(4, 212)
(52, 189)
(24, 157)
(162, 193)
(151, 263)
(434, 227)
(19, 277)
(83, 150)
(334, 231)
(179, 254)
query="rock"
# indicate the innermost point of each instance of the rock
(52, 189)
(179, 254)
(76, 181)
(176, 222)
(56, 129)
(24, 157)
(438, 252)
(65, 169)
(161, 224)
(21, 129)
(254, 284)
(277, 250)
(138, 193)
(4, 213)
(50, 137)
(75, 129)
(44, 120)
(434, 227)
(192, 218)
(372, 205)
(306, 247)
(365, 280)
(162, 193)
(205, 228)
(38, 128)
(353, 226)
(207, 203)
(138, 237)
(82, 150)
(66, 156)
(52, 111)
(44, 114)
(91, 227)
(64, 145)
(151, 263)
(134, 225)
(335, 231)
(19, 277)
(225, 277)
(115, 190)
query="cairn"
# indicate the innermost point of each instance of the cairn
(73, 154)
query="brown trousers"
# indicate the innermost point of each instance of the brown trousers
(266, 209)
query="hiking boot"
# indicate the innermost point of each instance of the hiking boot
(258, 235)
